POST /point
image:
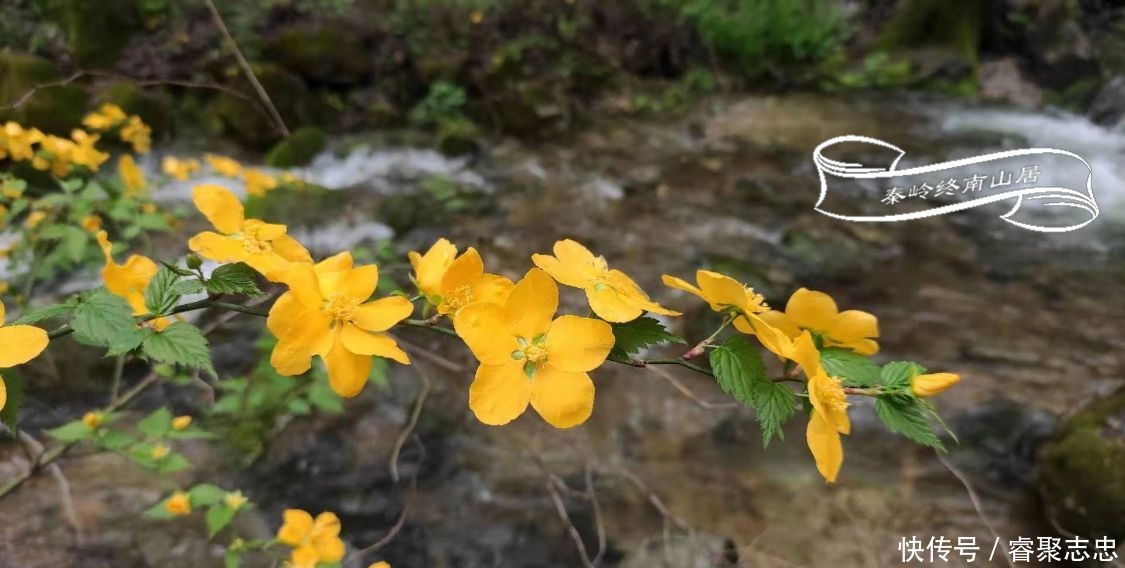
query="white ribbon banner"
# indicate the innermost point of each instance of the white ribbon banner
(1081, 199)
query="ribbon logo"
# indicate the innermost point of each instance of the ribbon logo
(1050, 190)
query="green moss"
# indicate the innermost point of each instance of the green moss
(153, 108)
(247, 121)
(55, 109)
(322, 54)
(298, 149)
(96, 32)
(1080, 471)
(956, 26)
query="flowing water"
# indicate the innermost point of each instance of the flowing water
(1020, 315)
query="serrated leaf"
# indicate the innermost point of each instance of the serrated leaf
(113, 440)
(9, 415)
(102, 319)
(904, 415)
(188, 287)
(157, 424)
(631, 337)
(775, 404)
(180, 343)
(48, 312)
(160, 298)
(71, 432)
(130, 341)
(854, 369)
(205, 495)
(899, 374)
(218, 517)
(233, 279)
(737, 364)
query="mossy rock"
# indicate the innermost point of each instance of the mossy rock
(940, 37)
(320, 54)
(1081, 472)
(153, 108)
(248, 121)
(458, 137)
(55, 110)
(298, 149)
(96, 32)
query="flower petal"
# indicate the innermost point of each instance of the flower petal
(500, 393)
(326, 524)
(491, 288)
(531, 305)
(778, 320)
(632, 294)
(563, 399)
(220, 206)
(811, 309)
(824, 443)
(358, 283)
(347, 371)
(429, 269)
(301, 278)
(806, 355)
(462, 272)
(578, 344)
(216, 247)
(329, 549)
(3, 393)
(2, 315)
(482, 327)
(577, 257)
(290, 249)
(681, 284)
(301, 333)
(20, 344)
(722, 291)
(853, 325)
(335, 263)
(567, 274)
(361, 342)
(296, 528)
(610, 305)
(863, 347)
(773, 339)
(382, 314)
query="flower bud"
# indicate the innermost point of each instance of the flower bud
(933, 383)
(194, 262)
(181, 422)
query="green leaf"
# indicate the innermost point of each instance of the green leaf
(205, 495)
(218, 517)
(854, 369)
(173, 463)
(188, 287)
(102, 319)
(905, 415)
(631, 337)
(233, 279)
(48, 312)
(737, 364)
(9, 415)
(299, 407)
(71, 432)
(130, 341)
(157, 424)
(899, 374)
(158, 511)
(323, 398)
(160, 298)
(113, 440)
(180, 343)
(232, 559)
(74, 243)
(152, 222)
(775, 404)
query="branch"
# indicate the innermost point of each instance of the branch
(419, 403)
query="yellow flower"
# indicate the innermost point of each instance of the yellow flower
(34, 218)
(93, 419)
(816, 312)
(258, 183)
(18, 142)
(465, 282)
(726, 295)
(326, 313)
(430, 268)
(612, 294)
(4, 287)
(57, 156)
(18, 345)
(476, 17)
(137, 133)
(92, 223)
(223, 165)
(933, 383)
(149, 208)
(291, 179)
(129, 280)
(131, 176)
(380, 565)
(263, 246)
(179, 169)
(313, 540)
(181, 422)
(528, 358)
(159, 452)
(830, 409)
(235, 500)
(179, 504)
(106, 117)
(84, 153)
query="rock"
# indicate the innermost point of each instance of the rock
(941, 38)
(55, 110)
(688, 551)
(322, 54)
(97, 32)
(1002, 81)
(298, 149)
(1108, 108)
(154, 109)
(1054, 40)
(1080, 471)
(999, 440)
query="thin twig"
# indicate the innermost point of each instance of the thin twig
(419, 403)
(975, 500)
(596, 505)
(67, 501)
(430, 356)
(242, 62)
(687, 392)
(572, 530)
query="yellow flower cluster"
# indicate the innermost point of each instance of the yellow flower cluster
(47, 152)
(258, 183)
(130, 128)
(314, 541)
